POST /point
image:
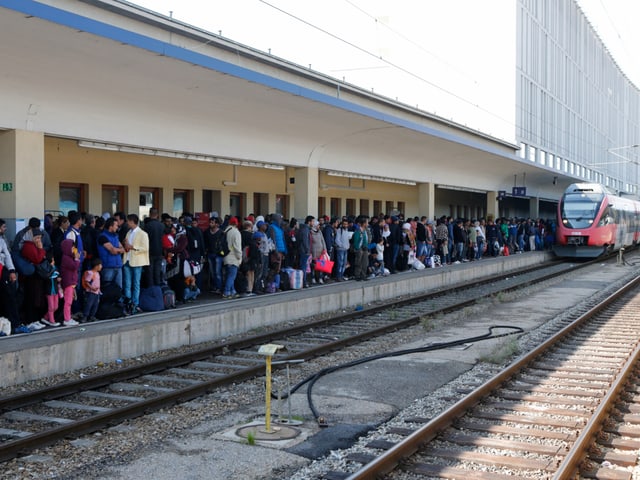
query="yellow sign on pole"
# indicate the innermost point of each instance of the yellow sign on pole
(269, 351)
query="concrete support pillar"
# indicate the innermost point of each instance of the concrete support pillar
(166, 195)
(427, 200)
(306, 192)
(271, 203)
(492, 205)
(534, 207)
(197, 200)
(225, 202)
(133, 200)
(21, 177)
(249, 203)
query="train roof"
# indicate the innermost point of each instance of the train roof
(588, 188)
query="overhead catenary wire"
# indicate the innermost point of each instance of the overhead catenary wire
(388, 62)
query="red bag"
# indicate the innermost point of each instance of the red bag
(505, 251)
(324, 265)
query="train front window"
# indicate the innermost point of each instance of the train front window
(579, 210)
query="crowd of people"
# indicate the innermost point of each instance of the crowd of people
(60, 274)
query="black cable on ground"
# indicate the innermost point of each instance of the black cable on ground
(434, 346)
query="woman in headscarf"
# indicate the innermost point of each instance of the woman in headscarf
(318, 247)
(408, 247)
(34, 303)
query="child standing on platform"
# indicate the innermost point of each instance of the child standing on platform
(53, 292)
(91, 287)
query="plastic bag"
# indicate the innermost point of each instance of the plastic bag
(5, 327)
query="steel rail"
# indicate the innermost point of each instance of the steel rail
(104, 379)
(388, 461)
(21, 446)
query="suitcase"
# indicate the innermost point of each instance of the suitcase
(296, 278)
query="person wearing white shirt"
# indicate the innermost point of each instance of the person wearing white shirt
(134, 258)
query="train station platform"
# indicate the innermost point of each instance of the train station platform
(62, 349)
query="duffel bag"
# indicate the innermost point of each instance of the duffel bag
(151, 299)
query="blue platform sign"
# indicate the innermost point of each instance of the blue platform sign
(519, 191)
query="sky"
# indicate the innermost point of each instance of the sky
(419, 52)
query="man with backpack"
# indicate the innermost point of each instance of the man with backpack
(213, 247)
(195, 247)
(233, 258)
(155, 230)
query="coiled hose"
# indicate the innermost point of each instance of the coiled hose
(311, 380)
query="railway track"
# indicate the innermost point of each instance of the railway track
(35, 419)
(568, 409)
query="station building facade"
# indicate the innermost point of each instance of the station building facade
(110, 107)
(577, 112)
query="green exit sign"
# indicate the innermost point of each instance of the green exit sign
(7, 187)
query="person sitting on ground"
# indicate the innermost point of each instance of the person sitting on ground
(191, 290)
(91, 287)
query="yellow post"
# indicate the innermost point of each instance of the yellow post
(268, 351)
(267, 415)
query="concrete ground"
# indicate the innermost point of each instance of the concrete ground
(355, 399)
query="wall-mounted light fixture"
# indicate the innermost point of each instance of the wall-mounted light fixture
(333, 173)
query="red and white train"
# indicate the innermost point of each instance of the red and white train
(592, 220)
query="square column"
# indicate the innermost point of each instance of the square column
(22, 175)
(492, 205)
(427, 200)
(306, 192)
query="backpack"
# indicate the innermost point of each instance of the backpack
(152, 299)
(169, 297)
(224, 245)
(284, 281)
